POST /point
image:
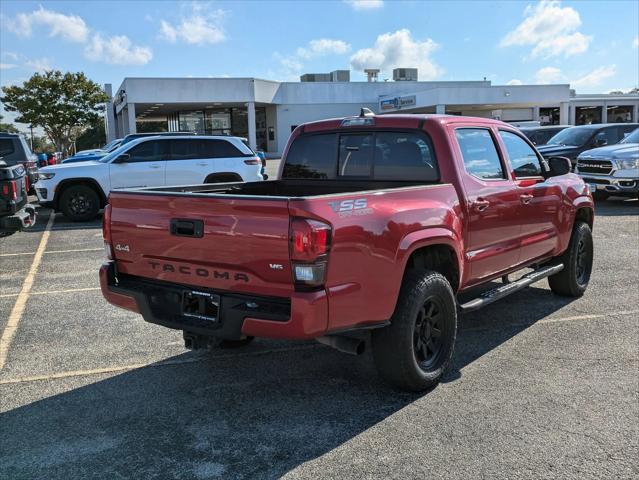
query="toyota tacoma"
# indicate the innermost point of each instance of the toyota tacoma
(374, 228)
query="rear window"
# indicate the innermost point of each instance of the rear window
(6, 147)
(399, 156)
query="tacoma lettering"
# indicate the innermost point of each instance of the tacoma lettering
(200, 272)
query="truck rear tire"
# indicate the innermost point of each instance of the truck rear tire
(573, 280)
(414, 351)
(79, 203)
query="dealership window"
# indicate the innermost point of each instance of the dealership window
(192, 122)
(587, 115)
(620, 114)
(549, 115)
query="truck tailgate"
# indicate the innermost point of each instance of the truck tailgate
(238, 244)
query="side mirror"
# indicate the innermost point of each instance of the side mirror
(122, 158)
(600, 141)
(559, 166)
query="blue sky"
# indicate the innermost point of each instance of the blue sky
(591, 44)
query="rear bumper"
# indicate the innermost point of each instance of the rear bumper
(20, 220)
(303, 316)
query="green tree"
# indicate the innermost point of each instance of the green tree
(7, 127)
(92, 137)
(60, 103)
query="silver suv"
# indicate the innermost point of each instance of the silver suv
(612, 170)
(14, 150)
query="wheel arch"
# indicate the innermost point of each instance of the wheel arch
(64, 184)
(435, 249)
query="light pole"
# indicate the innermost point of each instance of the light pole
(31, 127)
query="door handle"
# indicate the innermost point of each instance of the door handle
(155, 166)
(525, 199)
(203, 164)
(481, 205)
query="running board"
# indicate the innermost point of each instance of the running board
(495, 294)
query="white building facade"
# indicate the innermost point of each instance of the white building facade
(266, 112)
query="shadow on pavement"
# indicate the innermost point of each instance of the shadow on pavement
(239, 415)
(616, 207)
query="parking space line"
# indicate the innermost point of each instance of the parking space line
(124, 368)
(52, 251)
(18, 307)
(51, 292)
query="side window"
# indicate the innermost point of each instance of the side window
(480, 153)
(403, 156)
(312, 156)
(6, 147)
(522, 157)
(219, 149)
(355, 154)
(151, 151)
(183, 150)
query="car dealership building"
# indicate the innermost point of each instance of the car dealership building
(265, 112)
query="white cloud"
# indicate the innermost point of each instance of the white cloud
(365, 4)
(635, 43)
(69, 27)
(39, 64)
(595, 77)
(116, 50)
(323, 46)
(514, 81)
(399, 49)
(548, 75)
(200, 26)
(7, 66)
(551, 29)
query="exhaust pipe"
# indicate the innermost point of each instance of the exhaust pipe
(351, 345)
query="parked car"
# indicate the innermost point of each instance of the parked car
(375, 226)
(15, 150)
(79, 190)
(85, 155)
(133, 136)
(570, 142)
(540, 135)
(612, 170)
(15, 212)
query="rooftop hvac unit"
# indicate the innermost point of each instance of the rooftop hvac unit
(405, 74)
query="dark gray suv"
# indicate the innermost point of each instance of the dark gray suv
(15, 150)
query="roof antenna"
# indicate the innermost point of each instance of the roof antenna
(366, 112)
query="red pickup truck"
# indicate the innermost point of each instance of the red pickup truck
(374, 227)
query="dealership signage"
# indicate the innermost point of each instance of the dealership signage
(397, 103)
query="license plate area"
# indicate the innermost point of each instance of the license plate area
(201, 305)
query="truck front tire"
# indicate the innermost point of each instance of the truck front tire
(573, 280)
(415, 350)
(79, 203)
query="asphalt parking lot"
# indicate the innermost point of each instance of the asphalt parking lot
(541, 386)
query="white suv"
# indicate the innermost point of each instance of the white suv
(80, 189)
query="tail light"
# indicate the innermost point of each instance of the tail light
(10, 190)
(310, 242)
(252, 161)
(106, 231)
(26, 184)
(29, 165)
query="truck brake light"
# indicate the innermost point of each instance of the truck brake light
(252, 161)
(310, 242)
(106, 231)
(10, 190)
